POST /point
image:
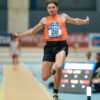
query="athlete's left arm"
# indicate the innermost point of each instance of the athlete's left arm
(76, 21)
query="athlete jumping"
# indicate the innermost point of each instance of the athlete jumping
(56, 48)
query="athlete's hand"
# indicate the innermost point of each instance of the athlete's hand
(15, 35)
(87, 20)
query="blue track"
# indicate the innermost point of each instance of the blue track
(35, 68)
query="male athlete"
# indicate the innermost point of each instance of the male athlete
(56, 48)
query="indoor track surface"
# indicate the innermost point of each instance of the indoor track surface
(19, 84)
(26, 83)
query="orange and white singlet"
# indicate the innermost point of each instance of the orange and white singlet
(55, 29)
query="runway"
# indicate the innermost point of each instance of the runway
(32, 61)
(21, 85)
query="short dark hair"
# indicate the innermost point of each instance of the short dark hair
(52, 1)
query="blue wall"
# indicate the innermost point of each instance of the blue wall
(3, 20)
(33, 4)
(3, 15)
(93, 13)
(3, 4)
(74, 8)
(67, 4)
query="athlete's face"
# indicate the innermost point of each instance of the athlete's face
(52, 9)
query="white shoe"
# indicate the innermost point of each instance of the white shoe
(55, 96)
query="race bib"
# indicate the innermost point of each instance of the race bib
(54, 30)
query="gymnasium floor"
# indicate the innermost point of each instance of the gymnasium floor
(31, 59)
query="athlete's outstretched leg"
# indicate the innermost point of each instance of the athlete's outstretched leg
(47, 70)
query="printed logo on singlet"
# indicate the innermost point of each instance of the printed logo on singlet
(54, 30)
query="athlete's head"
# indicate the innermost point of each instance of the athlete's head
(52, 7)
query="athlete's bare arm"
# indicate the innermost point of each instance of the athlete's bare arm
(76, 21)
(31, 31)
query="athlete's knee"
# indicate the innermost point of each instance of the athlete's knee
(58, 67)
(44, 78)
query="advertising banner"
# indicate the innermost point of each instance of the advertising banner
(5, 39)
(74, 40)
(76, 77)
(95, 40)
(78, 40)
(36, 40)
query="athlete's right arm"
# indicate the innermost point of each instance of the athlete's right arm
(31, 31)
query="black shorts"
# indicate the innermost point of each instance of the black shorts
(52, 48)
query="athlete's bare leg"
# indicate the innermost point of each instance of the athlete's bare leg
(13, 60)
(60, 58)
(16, 60)
(47, 70)
(15, 63)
